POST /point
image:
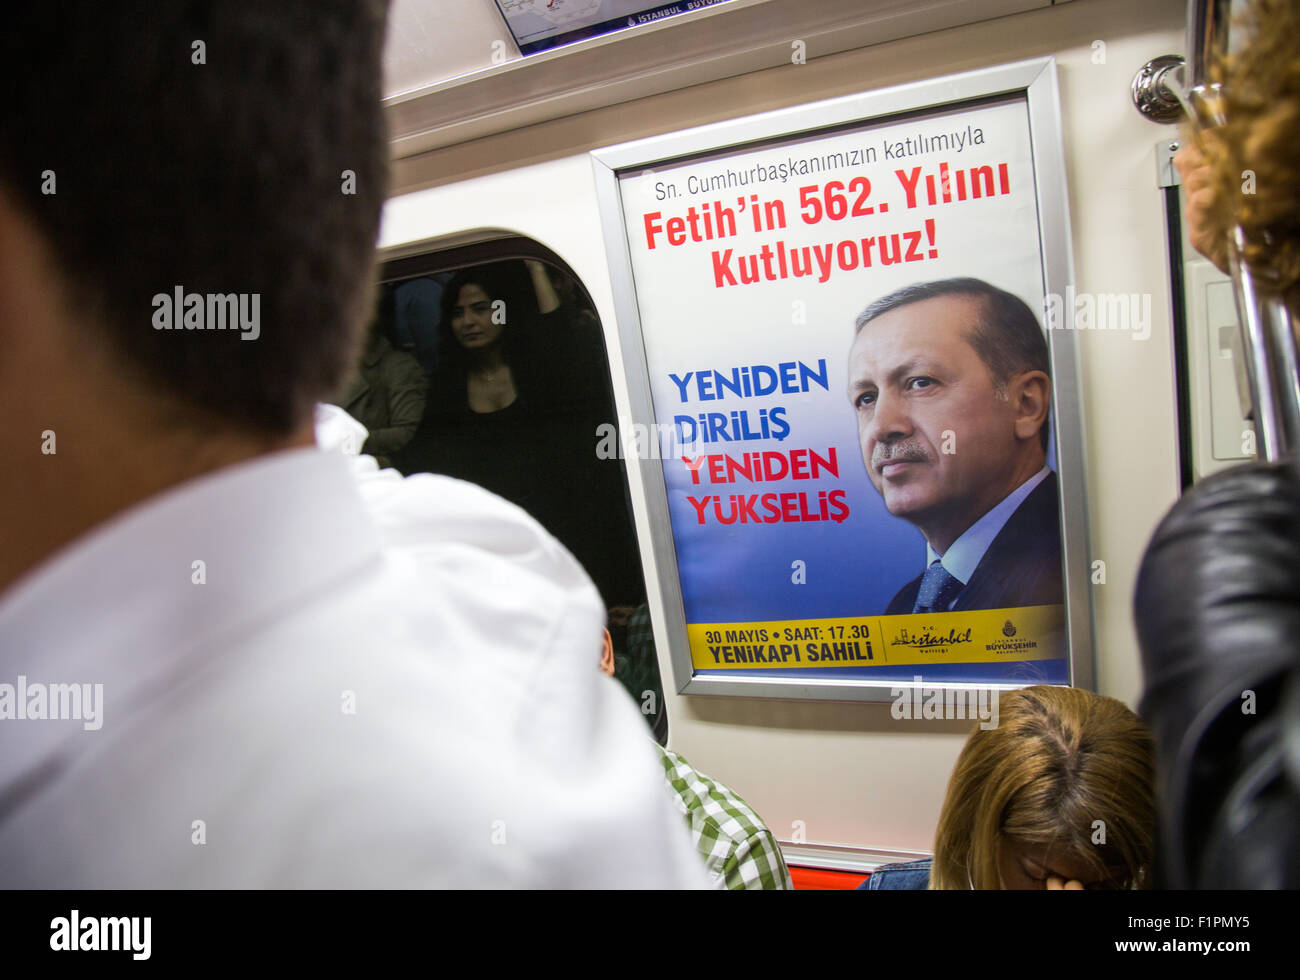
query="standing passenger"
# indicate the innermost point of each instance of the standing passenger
(224, 661)
(519, 395)
(1217, 604)
(386, 391)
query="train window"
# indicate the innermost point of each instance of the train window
(488, 364)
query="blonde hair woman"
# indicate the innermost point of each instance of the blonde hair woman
(1255, 150)
(1059, 795)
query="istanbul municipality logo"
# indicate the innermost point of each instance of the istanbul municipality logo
(1008, 629)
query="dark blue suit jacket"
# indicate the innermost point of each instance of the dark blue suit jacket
(1022, 566)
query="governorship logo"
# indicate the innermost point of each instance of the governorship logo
(930, 639)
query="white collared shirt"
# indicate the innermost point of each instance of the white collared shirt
(964, 555)
(317, 678)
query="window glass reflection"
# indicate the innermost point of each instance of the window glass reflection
(517, 386)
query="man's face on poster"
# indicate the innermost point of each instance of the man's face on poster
(938, 436)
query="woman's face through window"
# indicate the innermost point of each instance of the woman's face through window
(474, 322)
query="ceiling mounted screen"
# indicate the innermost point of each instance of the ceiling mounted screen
(538, 25)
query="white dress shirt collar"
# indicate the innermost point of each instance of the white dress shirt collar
(964, 555)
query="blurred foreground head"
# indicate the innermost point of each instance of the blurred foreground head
(1062, 787)
(1217, 610)
(212, 146)
(1255, 158)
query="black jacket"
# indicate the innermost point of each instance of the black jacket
(1217, 610)
(1022, 566)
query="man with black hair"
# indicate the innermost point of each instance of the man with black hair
(225, 662)
(950, 383)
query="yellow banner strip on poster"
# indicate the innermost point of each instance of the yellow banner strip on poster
(981, 636)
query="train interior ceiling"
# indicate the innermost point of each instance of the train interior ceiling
(494, 197)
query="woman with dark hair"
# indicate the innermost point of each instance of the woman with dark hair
(520, 389)
(474, 371)
(505, 338)
(484, 414)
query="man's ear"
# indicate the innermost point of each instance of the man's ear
(1030, 394)
(607, 655)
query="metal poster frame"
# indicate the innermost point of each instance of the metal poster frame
(1033, 81)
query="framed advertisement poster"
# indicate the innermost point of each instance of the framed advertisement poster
(858, 426)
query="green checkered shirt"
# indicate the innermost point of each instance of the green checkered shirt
(737, 847)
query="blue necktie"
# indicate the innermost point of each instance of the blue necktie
(938, 589)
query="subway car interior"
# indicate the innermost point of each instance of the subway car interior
(553, 171)
(794, 445)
